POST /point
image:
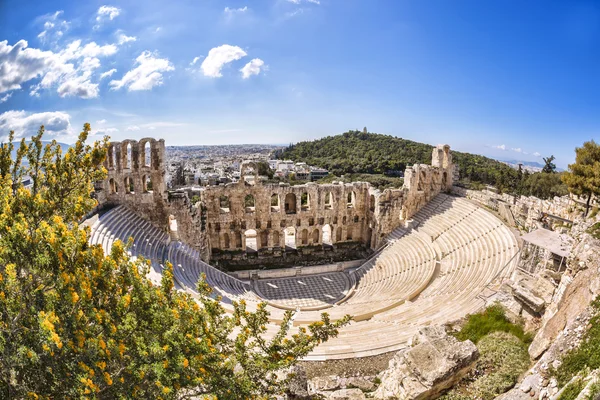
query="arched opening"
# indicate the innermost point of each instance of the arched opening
(249, 204)
(351, 199)
(304, 237)
(305, 201)
(290, 237)
(344, 220)
(276, 239)
(127, 156)
(238, 240)
(264, 239)
(328, 201)
(290, 203)
(251, 242)
(225, 241)
(315, 236)
(275, 202)
(327, 234)
(147, 154)
(111, 156)
(372, 203)
(128, 182)
(338, 234)
(444, 179)
(356, 219)
(147, 182)
(224, 204)
(349, 233)
(113, 186)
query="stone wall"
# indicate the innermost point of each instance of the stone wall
(252, 223)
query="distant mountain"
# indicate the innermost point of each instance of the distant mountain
(532, 166)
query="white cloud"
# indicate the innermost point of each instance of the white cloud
(108, 73)
(294, 1)
(56, 123)
(517, 149)
(70, 69)
(314, 1)
(218, 57)
(537, 154)
(500, 147)
(146, 75)
(122, 38)
(54, 28)
(158, 29)
(194, 61)
(252, 68)
(106, 13)
(231, 11)
(5, 98)
(294, 13)
(104, 131)
(132, 128)
(102, 121)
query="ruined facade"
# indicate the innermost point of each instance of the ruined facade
(251, 223)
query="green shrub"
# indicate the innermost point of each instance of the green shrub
(572, 390)
(593, 213)
(594, 230)
(594, 391)
(492, 319)
(586, 355)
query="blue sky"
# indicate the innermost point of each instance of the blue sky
(507, 79)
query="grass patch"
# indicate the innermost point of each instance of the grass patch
(492, 319)
(594, 391)
(572, 390)
(586, 355)
(594, 230)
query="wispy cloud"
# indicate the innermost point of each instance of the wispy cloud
(5, 98)
(106, 13)
(253, 68)
(537, 154)
(231, 11)
(500, 147)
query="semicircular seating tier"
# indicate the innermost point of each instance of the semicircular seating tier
(436, 272)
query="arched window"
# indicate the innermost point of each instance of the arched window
(128, 182)
(275, 202)
(356, 219)
(338, 234)
(351, 199)
(127, 156)
(111, 156)
(290, 237)
(304, 236)
(290, 203)
(113, 186)
(305, 201)
(225, 241)
(327, 234)
(349, 233)
(249, 203)
(328, 201)
(315, 236)
(238, 240)
(276, 239)
(147, 182)
(224, 203)
(147, 154)
(251, 243)
(264, 239)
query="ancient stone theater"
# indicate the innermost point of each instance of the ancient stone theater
(394, 259)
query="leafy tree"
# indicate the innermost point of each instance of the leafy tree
(549, 166)
(583, 178)
(265, 170)
(75, 323)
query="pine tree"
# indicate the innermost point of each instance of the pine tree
(583, 178)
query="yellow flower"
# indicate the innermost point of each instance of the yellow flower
(185, 363)
(108, 379)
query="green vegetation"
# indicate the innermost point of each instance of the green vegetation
(77, 324)
(594, 230)
(492, 319)
(572, 390)
(583, 178)
(503, 355)
(587, 355)
(357, 155)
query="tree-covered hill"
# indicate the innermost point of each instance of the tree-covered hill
(372, 153)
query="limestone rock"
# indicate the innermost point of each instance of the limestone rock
(298, 384)
(435, 363)
(347, 394)
(323, 383)
(360, 383)
(527, 297)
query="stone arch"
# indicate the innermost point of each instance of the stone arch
(264, 239)
(372, 202)
(304, 237)
(128, 183)
(251, 241)
(238, 239)
(315, 236)
(127, 154)
(224, 203)
(249, 203)
(338, 234)
(326, 235)
(147, 183)
(226, 241)
(328, 201)
(276, 239)
(275, 203)
(351, 199)
(305, 201)
(113, 186)
(290, 203)
(290, 237)
(349, 233)
(112, 156)
(344, 220)
(145, 146)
